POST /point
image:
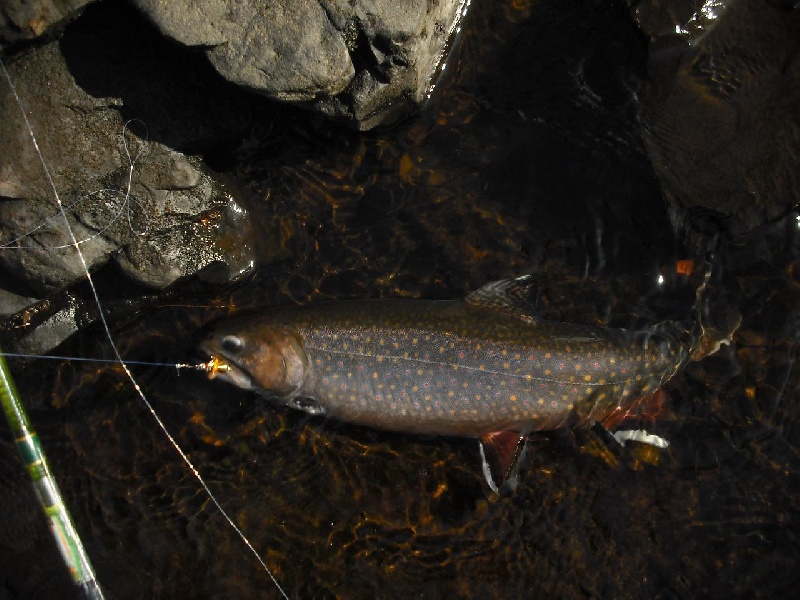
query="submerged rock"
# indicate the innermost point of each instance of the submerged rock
(720, 111)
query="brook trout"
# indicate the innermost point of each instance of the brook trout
(470, 368)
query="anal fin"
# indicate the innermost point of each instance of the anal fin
(501, 454)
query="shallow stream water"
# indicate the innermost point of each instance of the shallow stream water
(528, 159)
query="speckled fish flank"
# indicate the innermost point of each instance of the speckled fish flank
(461, 368)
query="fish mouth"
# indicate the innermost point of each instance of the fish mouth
(226, 370)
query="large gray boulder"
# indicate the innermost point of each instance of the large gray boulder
(365, 61)
(151, 209)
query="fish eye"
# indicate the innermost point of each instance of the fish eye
(232, 343)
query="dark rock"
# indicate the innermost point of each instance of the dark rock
(689, 19)
(58, 324)
(11, 303)
(720, 112)
(22, 20)
(123, 194)
(289, 51)
(217, 249)
(366, 62)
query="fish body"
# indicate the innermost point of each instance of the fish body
(461, 368)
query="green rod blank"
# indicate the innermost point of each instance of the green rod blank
(35, 462)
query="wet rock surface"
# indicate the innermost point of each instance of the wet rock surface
(119, 189)
(720, 115)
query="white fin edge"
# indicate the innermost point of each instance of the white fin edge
(487, 471)
(640, 435)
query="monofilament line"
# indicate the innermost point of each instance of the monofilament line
(146, 363)
(76, 245)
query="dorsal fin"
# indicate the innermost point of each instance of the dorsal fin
(512, 296)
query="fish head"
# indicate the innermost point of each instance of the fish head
(264, 357)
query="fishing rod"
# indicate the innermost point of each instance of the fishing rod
(35, 461)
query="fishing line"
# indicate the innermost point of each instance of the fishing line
(127, 200)
(211, 367)
(104, 360)
(113, 345)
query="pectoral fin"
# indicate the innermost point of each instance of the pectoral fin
(501, 454)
